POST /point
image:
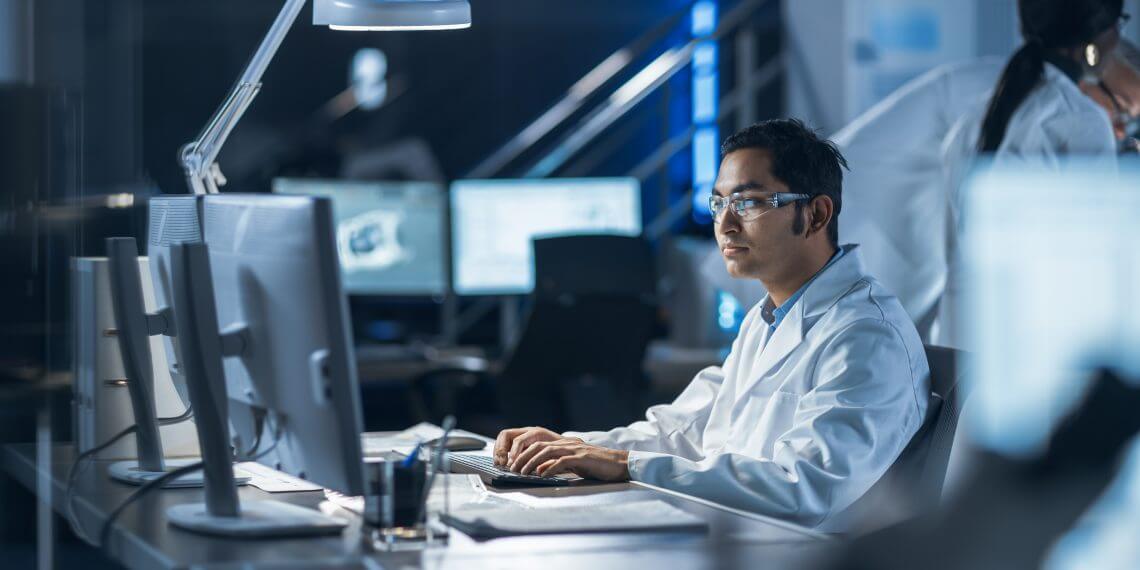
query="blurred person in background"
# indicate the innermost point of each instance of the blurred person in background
(1036, 115)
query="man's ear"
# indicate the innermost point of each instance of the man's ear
(819, 212)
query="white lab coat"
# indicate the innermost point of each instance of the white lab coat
(800, 425)
(894, 197)
(1055, 120)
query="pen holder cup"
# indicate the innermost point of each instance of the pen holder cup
(395, 494)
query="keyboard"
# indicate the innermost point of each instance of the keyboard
(486, 468)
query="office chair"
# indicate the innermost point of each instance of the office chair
(913, 484)
(577, 361)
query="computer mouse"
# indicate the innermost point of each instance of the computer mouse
(459, 443)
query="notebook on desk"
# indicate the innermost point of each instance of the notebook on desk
(493, 521)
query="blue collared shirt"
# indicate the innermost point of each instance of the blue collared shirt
(774, 315)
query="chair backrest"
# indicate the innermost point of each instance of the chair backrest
(913, 484)
(945, 375)
(593, 265)
(577, 362)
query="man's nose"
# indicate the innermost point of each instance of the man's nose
(729, 222)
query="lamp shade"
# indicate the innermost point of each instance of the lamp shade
(392, 14)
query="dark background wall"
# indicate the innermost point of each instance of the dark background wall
(468, 90)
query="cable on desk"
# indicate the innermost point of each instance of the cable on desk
(73, 472)
(76, 468)
(105, 531)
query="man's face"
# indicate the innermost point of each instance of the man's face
(760, 248)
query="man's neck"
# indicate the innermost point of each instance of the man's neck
(782, 288)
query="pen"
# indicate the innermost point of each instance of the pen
(407, 462)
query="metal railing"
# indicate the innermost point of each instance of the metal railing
(576, 98)
(624, 99)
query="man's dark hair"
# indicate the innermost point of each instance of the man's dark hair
(806, 163)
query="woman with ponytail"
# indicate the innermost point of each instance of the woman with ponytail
(1036, 113)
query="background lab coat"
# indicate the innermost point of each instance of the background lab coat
(894, 197)
(799, 425)
(1056, 120)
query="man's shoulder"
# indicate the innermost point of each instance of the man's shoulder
(868, 305)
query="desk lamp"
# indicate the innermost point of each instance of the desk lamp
(198, 157)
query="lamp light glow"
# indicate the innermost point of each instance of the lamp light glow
(392, 15)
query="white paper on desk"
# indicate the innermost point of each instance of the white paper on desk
(653, 515)
(273, 481)
(596, 499)
(458, 490)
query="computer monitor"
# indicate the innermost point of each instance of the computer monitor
(1051, 280)
(263, 324)
(493, 224)
(391, 236)
(172, 219)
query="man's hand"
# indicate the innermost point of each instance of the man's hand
(512, 442)
(572, 455)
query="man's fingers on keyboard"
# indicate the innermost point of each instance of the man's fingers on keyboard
(503, 444)
(528, 454)
(548, 452)
(558, 466)
(526, 439)
(518, 460)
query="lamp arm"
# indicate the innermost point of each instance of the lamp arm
(198, 156)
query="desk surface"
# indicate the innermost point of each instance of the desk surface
(143, 539)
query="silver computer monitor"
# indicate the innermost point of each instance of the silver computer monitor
(391, 236)
(263, 325)
(172, 219)
(1052, 271)
(494, 222)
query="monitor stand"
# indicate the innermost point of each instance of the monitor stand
(133, 329)
(130, 473)
(222, 514)
(255, 519)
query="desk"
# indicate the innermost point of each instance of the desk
(143, 539)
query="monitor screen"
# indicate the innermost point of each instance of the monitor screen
(390, 236)
(1051, 272)
(1035, 327)
(493, 223)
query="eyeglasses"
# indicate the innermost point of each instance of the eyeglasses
(748, 208)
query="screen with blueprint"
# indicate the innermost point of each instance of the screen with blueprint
(391, 236)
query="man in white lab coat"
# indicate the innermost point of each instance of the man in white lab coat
(825, 385)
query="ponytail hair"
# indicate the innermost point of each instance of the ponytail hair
(1046, 25)
(1023, 72)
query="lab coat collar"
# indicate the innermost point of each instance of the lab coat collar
(831, 284)
(821, 294)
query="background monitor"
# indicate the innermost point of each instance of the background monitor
(1052, 273)
(493, 223)
(391, 236)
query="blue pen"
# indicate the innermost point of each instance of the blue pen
(407, 462)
